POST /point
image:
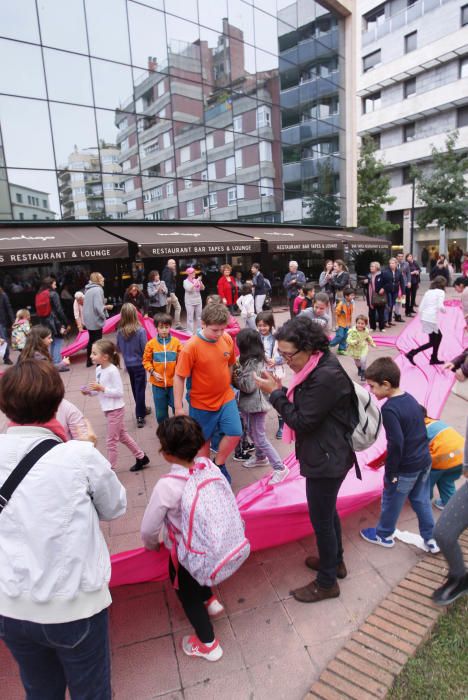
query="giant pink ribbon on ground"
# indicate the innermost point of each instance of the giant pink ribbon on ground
(276, 515)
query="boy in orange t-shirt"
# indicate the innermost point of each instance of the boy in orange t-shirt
(207, 359)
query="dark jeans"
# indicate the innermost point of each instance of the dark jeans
(193, 598)
(408, 307)
(93, 336)
(391, 298)
(377, 313)
(414, 291)
(153, 310)
(435, 340)
(4, 336)
(321, 499)
(138, 383)
(51, 657)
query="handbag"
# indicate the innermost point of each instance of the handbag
(21, 470)
(378, 299)
(460, 389)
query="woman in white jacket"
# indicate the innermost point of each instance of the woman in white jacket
(432, 302)
(54, 562)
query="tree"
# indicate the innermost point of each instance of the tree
(373, 191)
(444, 191)
(323, 205)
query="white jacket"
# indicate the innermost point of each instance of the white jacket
(432, 302)
(112, 396)
(54, 561)
(246, 304)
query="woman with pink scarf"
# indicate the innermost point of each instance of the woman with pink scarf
(319, 412)
(193, 301)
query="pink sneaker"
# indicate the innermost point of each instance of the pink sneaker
(193, 647)
(213, 606)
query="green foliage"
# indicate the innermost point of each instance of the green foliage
(363, 259)
(373, 192)
(444, 192)
(323, 205)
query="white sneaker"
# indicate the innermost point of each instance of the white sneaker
(192, 646)
(432, 546)
(254, 462)
(279, 475)
(213, 606)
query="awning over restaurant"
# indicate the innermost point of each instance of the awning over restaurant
(180, 240)
(289, 240)
(45, 244)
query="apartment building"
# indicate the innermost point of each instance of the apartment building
(200, 137)
(28, 203)
(412, 92)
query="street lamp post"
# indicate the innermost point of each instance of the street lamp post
(413, 189)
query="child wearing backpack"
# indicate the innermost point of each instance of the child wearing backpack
(173, 517)
(20, 329)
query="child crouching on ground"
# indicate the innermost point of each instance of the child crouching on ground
(181, 438)
(358, 341)
(446, 446)
(319, 313)
(344, 317)
(20, 329)
(408, 462)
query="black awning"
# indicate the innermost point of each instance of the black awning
(283, 239)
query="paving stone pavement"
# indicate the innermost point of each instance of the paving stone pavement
(275, 648)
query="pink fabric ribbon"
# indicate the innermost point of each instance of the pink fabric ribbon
(289, 434)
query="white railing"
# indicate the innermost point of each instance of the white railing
(390, 24)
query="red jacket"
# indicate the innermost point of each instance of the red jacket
(228, 290)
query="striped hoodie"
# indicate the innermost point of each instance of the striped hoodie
(161, 356)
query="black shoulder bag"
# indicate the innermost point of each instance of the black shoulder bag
(22, 469)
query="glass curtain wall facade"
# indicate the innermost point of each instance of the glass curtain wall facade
(311, 66)
(151, 109)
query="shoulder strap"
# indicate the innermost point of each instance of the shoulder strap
(22, 468)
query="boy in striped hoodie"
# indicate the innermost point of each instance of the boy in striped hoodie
(160, 359)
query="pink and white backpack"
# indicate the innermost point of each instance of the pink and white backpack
(212, 544)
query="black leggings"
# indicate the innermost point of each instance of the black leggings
(93, 336)
(435, 340)
(193, 598)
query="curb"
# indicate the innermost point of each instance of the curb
(367, 666)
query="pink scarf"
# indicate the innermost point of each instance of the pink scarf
(288, 433)
(53, 425)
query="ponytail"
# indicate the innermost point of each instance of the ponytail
(107, 347)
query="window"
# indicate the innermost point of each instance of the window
(409, 131)
(29, 199)
(166, 139)
(132, 205)
(371, 60)
(161, 88)
(464, 15)
(210, 202)
(146, 197)
(406, 175)
(123, 124)
(462, 116)
(228, 136)
(81, 205)
(129, 185)
(202, 147)
(375, 17)
(188, 183)
(141, 124)
(126, 165)
(204, 175)
(409, 87)
(209, 142)
(19, 197)
(191, 208)
(107, 160)
(230, 165)
(411, 42)
(124, 145)
(170, 189)
(238, 158)
(464, 67)
(231, 196)
(371, 103)
(263, 116)
(185, 154)
(266, 187)
(34, 216)
(21, 215)
(211, 171)
(172, 213)
(156, 193)
(168, 166)
(240, 191)
(237, 124)
(151, 147)
(265, 151)
(162, 113)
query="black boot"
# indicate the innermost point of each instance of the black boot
(410, 356)
(140, 463)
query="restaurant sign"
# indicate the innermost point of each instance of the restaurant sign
(36, 250)
(187, 243)
(286, 242)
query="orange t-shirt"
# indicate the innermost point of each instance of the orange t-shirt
(207, 363)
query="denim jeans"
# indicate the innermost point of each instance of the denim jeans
(51, 657)
(4, 336)
(55, 350)
(321, 499)
(137, 377)
(445, 480)
(163, 399)
(340, 338)
(415, 487)
(263, 447)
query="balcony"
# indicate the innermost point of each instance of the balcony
(310, 129)
(310, 50)
(311, 90)
(401, 19)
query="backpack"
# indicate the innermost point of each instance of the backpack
(42, 303)
(212, 544)
(369, 420)
(267, 285)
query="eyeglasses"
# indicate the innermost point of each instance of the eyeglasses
(288, 355)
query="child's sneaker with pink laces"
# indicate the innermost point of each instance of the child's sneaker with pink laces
(213, 606)
(192, 646)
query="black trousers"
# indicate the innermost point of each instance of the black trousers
(408, 307)
(377, 313)
(93, 336)
(321, 499)
(193, 597)
(137, 376)
(435, 340)
(414, 291)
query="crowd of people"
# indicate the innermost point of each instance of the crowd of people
(54, 599)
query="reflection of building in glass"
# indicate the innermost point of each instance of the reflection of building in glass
(5, 203)
(413, 89)
(90, 186)
(311, 66)
(27, 203)
(200, 137)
